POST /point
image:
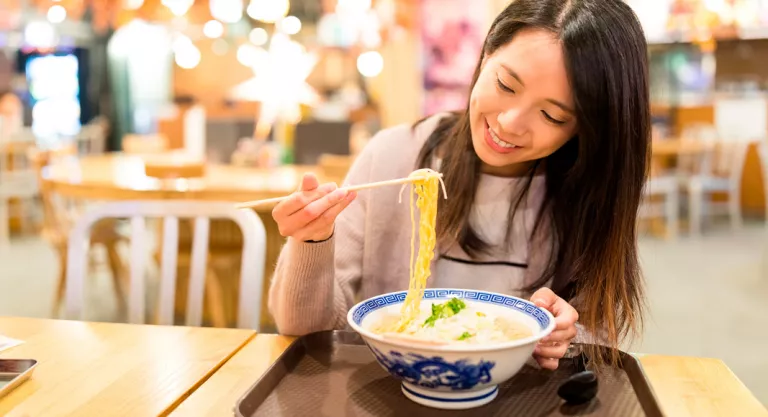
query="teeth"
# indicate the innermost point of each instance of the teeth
(500, 142)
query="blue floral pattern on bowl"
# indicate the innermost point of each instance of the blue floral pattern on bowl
(434, 372)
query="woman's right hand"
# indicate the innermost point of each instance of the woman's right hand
(309, 214)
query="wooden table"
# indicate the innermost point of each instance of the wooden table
(684, 386)
(104, 369)
(122, 177)
(676, 147)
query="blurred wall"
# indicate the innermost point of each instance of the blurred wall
(742, 60)
(398, 88)
(210, 82)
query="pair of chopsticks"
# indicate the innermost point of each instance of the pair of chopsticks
(270, 201)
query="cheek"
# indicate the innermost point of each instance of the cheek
(483, 94)
(483, 97)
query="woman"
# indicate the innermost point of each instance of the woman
(544, 172)
(11, 114)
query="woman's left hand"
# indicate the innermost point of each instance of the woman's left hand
(553, 347)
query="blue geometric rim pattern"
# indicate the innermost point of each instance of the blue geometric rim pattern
(522, 306)
(435, 371)
(452, 400)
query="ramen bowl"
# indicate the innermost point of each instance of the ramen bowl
(451, 376)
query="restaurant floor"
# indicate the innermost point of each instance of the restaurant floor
(706, 296)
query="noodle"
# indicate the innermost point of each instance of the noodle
(427, 190)
(451, 322)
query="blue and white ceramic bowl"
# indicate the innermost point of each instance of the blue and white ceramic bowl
(451, 376)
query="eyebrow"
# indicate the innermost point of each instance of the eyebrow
(514, 75)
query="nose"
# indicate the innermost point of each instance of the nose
(513, 122)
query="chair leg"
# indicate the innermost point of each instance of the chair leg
(23, 221)
(215, 297)
(118, 275)
(695, 202)
(5, 231)
(734, 209)
(671, 210)
(62, 284)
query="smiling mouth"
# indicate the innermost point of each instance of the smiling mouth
(500, 142)
(496, 142)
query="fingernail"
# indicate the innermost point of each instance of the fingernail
(538, 301)
(351, 195)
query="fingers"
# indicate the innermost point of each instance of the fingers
(300, 199)
(289, 225)
(553, 347)
(544, 298)
(309, 182)
(564, 313)
(547, 363)
(554, 351)
(321, 228)
(563, 335)
(315, 221)
(316, 208)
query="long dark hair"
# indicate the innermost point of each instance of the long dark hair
(594, 182)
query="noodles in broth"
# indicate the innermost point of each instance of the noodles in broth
(453, 320)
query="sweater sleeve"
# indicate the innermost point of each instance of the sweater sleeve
(314, 284)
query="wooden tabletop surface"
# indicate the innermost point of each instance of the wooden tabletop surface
(684, 386)
(700, 387)
(142, 370)
(218, 396)
(105, 369)
(118, 176)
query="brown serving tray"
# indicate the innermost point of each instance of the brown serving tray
(335, 374)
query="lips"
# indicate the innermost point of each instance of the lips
(496, 143)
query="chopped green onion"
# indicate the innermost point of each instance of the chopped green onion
(441, 311)
(465, 336)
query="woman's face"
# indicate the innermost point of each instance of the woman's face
(521, 108)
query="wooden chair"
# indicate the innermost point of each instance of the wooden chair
(722, 175)
(252, 266)
(92, 139)
(58, 217)
(666, 187)
(18, 182)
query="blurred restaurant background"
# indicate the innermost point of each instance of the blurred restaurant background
(105, 103)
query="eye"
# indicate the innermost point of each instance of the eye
(552, 119)
(503, 86)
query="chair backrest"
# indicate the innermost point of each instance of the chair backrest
(698, 163)
(252, 265)
(729, 160)
(17, 176)
(58, 213)
(92, 139)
